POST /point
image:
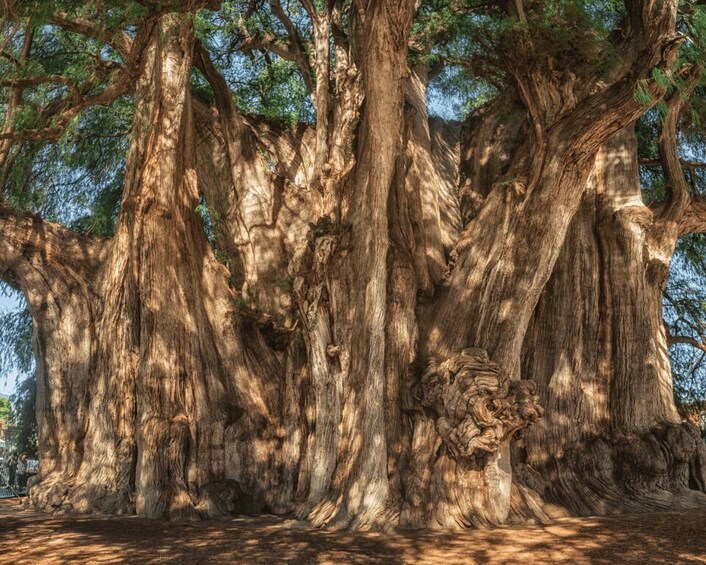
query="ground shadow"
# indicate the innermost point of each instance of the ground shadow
(26, 537)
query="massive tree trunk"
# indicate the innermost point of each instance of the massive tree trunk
(473, 332)
(52, 267)
(611, 438)
(156, 379)
(382, 310)
(354, 488)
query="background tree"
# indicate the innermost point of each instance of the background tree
(263, 278)
(5, 410)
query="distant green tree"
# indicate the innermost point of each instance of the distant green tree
(24, 410)
(5, 410)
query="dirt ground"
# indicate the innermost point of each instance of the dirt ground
(27, 537)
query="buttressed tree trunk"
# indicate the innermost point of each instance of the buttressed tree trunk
(390, 298)
(149, 402)
(611, 438)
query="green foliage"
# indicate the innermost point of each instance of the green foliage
(692, 23)
(16, 355)
(661, 78)
(481, 46)
(262, 83)
(6, 413)
(642, 93)
(454, 93)
(111, 13)
(275, 91)
(78, 179)
(207, 218)
(17, 358)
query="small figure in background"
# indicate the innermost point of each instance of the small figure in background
(22, 471)
(12, 469)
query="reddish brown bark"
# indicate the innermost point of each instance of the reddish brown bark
(352, 350)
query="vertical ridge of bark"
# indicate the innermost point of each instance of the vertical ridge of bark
(359, 492)
(182, 414)
(611, 439)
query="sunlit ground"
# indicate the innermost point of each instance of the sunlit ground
(26, 537)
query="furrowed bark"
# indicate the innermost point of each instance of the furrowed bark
(247, 210)
(182, 415)
(363, 340)
(55, 268)
(611, 438)
(504, 258)
(359, 492)
(694, 218)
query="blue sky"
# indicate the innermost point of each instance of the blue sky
(7, 381)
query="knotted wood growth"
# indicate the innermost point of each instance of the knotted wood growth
(477, 406)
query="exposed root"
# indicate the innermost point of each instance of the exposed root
(664, 469)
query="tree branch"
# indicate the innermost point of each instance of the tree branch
(62, 112)
(270, 42)
(23, 83)
(564, 107)
(30, 245)
(322, 100)
(340, 39)
(118, 40)
(302, 59)
(66, 111)
(694, 218)
(677, 185)
(308, 5)
(685, 164)
(685, 339)
(13, 100)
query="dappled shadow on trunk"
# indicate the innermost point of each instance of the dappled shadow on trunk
(635, 538)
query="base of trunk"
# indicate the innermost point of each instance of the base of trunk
(663, 469)
(59, 494)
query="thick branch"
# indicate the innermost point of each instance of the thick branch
(322, 101)
(37, 80)
(677, 185)
(67, 111)
(119, 40)
(684, 339)
(30, 246)
(181, 6)
(565, 104)
(685, 164)
(694, 217)
(269, 42)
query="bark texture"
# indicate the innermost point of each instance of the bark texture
(401, 321)
(611, 437)
(165, 408)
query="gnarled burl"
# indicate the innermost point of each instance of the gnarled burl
(477, 406)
